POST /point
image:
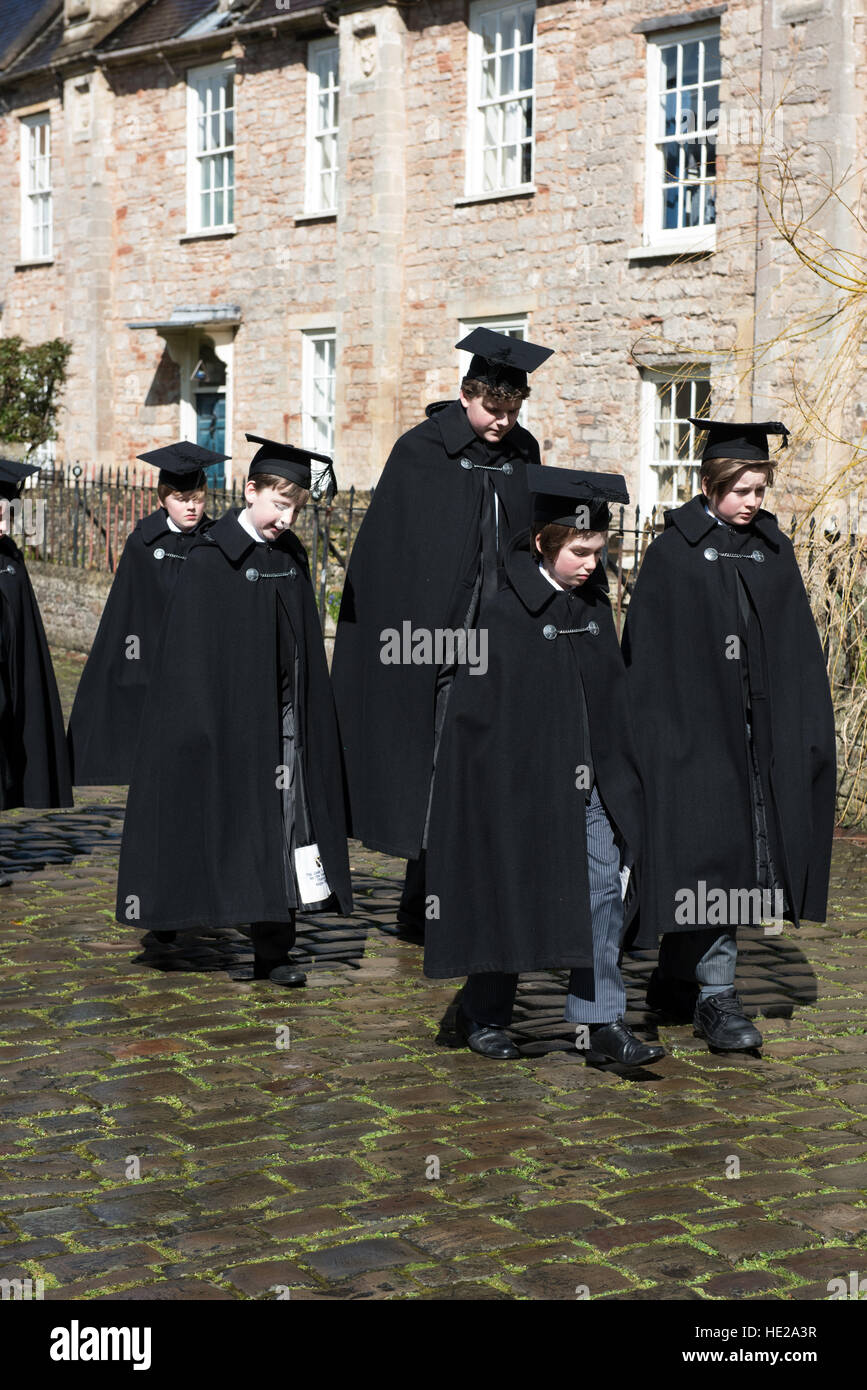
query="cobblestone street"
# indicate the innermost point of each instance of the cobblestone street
(333, 1141)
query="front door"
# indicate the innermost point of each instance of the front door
(211, 431)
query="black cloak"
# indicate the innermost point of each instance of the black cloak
(416, 560)
(202, 841)
(689, 712)
(507, 853)
(34, 769)
(106, 713)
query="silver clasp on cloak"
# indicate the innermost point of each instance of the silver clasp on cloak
(550, 631)
(712, 554)
(506, 467)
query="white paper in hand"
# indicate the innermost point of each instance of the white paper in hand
(312, 883)
(624, 881)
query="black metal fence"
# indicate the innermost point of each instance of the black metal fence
(83, 521)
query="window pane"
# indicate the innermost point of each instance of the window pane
(683, 400)
(669, 207)
(690, 64)
(218, 208)
(527, 163)
(669, 113)
(230, 128)
(710, 111)
(506, 73)
(701, 400)
(489, 32)
(711, 60)
(669, 66)
(490, 169)
(489, 85)
(526, 23)
(526, 69)
(513, 123)
(688, 112)
(491, 125)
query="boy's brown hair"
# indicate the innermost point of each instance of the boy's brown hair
(501, 394)
(721, 474)
(165, 490)
(292, 492)
(548, 540)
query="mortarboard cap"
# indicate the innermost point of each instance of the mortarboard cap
(182, 465)
(294, 464)
(559, 493)
(732, 441)
(12, 476)
(500, 360)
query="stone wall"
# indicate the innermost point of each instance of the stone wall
(71, 602)
(408, 256)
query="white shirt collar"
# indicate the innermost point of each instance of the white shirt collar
(244, 520)
(172, 526)
(555, 584)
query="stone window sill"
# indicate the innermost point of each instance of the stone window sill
(210, 234)
(525, 190)
(704, 245)
(327, 215)
(37, 260)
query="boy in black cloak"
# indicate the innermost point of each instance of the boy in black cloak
(537, 800)
(735, 733)
(451, 496)
(236, 807)
(106, 713)
(34, 769)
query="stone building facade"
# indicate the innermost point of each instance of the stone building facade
(279, 217)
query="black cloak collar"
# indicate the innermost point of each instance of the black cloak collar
(236, 543)
(457, 432)
(694, 522)
(532, 587)
(156, 524)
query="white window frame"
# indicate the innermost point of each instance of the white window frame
(702, 236)
(198, 80)
(310, 434)
(651, 465)
(318, 134)
(36, 189)
(476, 102)
(513, 324)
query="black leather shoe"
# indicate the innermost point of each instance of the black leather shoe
(615, 1042)
(676, 999)
(486, 1039)
(4, 881)
(278, 972)
(411, 926)
(721, 1021)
